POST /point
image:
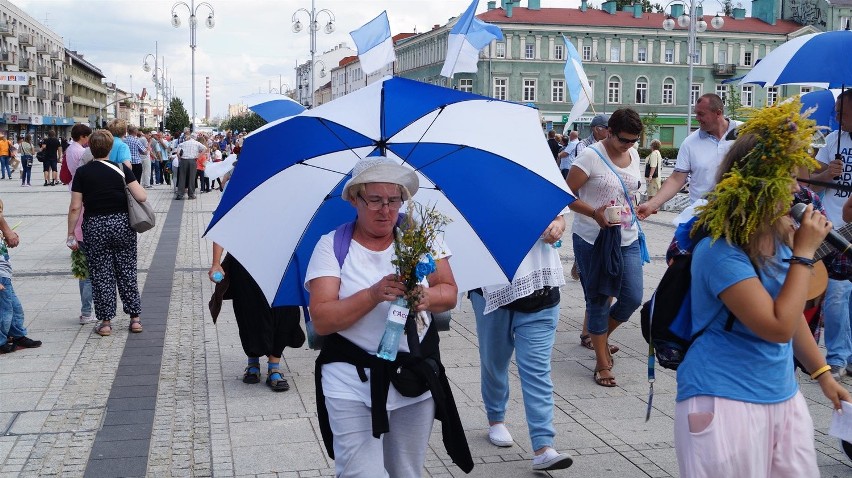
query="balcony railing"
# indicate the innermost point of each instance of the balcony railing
(25, 39)
(27, 91)
(42, 71)
(724, 69)
(41, 94)
(55, 75)
(5, 58)
(7, 88)
(59, 97)
(6, 30)
(25, 65)
(41, 48)
(55, 54)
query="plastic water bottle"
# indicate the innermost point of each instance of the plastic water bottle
(218, 276)
(394, 327)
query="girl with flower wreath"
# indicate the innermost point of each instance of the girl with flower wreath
(739, 410)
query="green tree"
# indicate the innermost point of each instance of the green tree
(176, 116)
(733, 105)
(245, 122)
(729, 7)
(647, 6)
(649, 127)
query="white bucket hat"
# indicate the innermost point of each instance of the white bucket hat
(379, 169)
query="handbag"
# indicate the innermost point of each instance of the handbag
(643, 245)
(141, 214)
(41, 156)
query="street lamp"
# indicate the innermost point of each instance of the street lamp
(193, 24)
(281, 84)
(695, 25)
(605, 90)
(147, 67)
(313, 26)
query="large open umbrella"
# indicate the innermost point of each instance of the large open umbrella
(272, 106)
(824, 101)
(483, 162)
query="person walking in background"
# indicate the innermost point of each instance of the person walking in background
(5, 156)
(521, 317)
(739, 411)
(606, 174)
(120, 153)
(200, 178)
(264, 330)
(138, 150)
(188, 153)
(27, 156)
(52, 149)
(652, 169)
(109, 240)
(73, 156)
(145, 140)
(568, 153)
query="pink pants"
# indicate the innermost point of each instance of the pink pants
(716, 437)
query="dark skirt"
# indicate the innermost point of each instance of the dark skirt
(263, 330)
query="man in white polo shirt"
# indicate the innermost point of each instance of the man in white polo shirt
(699, 156)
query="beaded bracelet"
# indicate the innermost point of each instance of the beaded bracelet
(820, 371)
(801, 260)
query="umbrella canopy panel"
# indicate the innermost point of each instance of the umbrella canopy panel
(818, 59)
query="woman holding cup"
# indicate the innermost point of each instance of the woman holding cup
(606, 178)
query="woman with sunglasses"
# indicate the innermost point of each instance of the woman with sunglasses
(604, 175)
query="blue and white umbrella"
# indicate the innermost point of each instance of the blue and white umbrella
(483, 162)
(272, 106)
(824, 101)
(816, 59)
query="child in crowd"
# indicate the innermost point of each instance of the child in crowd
(13, 334)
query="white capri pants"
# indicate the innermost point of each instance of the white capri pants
(716, 437)
(400, 453)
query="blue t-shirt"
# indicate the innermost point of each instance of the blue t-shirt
(119, 152)
(735, 364)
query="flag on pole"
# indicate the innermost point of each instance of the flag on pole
(374, 43)
(577, 84)
(467, 38)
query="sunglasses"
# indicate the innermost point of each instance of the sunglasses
(626, 141)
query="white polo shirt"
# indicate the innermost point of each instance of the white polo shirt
(700, 155)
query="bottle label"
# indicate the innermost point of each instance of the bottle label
(397, 314)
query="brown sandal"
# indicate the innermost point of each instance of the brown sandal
(135, 325)
(604, 381)
(586, 341)
(104, 329)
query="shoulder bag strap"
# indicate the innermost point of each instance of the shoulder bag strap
(623, 186)
(114, 167)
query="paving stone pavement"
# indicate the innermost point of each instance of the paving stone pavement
(54, 401)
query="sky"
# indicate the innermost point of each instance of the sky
(251, 44)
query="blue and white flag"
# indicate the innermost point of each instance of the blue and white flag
(577, 84)
(467, 38)
(374, 43)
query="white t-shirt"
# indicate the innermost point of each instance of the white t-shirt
(833, 200)
(570, 148)
(361, 269)
(602, 187)
(700, 155)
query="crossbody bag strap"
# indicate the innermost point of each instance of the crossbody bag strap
(623, 186)
(114, 167)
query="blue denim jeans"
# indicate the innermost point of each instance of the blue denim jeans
(838, 328)
(4, 167)
(531, 337)
(11, 312)
(629, 298)
(86, 303)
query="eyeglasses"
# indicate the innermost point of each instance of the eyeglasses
(377, 203)
(627, 141)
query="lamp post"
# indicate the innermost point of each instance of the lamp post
(193, 24)
(147, 67)
(606, 89)
(695, 26)
(281, 84)
(313, 26)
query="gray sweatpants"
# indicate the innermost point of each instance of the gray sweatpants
(399, 453)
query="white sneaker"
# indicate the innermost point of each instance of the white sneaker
(551, 460)
(499, 435)
(837, 372)
(87, 319)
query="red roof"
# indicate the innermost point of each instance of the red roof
(347, 60)
(600, 18)
(401, 36)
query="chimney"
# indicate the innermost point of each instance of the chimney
(611, 7)
(207, 98)
(738, 13)
(509, 6)
(534, 5)
(637, 10)
(584, 5)
(677, 10)
(492, 5)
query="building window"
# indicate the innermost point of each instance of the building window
(558, 52)
(615, 54)
(557, 91)
(529, 89)
(613, 91)
(747, 58)
(466, 85)
(722, 57)
(669, 55)
(668, 92)
(642, 55)
(641, 91)
(722, 92)
(694, 93)
(805, 89)
(748, 96)
(500, 88)
(587, 53)
(529, 51)
(500, 50)
(771, 95)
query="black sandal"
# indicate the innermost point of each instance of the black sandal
(277, 384)
(252, 374)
